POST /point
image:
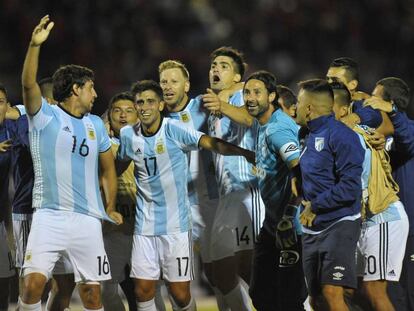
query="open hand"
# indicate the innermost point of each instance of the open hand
(307, 216)
(42, 31)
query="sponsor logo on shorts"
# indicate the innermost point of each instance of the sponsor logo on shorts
(391, 273)
(337, 276)
(412, 257)
(138, 151)
(288, 258)
(339, 268)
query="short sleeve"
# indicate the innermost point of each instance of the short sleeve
(284, 141)
(42, 118)
(186, 138)
(122, 154)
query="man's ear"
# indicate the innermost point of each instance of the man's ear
(75, 89)
(161, 106)
(352, 85)
(187, 86)
(237, 78)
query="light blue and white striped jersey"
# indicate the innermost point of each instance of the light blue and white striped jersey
(393, 211)
(161, 175)
(277, 144)
(202, 184)
(233, 173)
(65, 152)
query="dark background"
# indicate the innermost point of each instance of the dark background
(125, 40)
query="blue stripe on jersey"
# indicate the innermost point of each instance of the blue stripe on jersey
(48, 167)
(183, 214)
(78, 166)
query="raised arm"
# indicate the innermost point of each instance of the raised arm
(214, 103)
(32, 97)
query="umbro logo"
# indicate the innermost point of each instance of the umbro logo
(412, 257)
(337, 276)
(339, 268)
(67, 129)
(291, 148)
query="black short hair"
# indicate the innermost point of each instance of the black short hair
(397, 90)
(234, 54)
(350, 65)
(3, 89)
(289, 98)
(66, 76)
(342, 96)
(317, 86)
(267, 78)
(145, 85)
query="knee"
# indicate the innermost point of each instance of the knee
(91, 295)
(144, 293)
(33, 285)
(332, 293)
(374, 290)
(181, 294)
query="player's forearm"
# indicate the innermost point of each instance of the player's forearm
(30, 66)
(110, 187)
(237, 114)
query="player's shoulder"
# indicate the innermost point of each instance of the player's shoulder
(280, 121)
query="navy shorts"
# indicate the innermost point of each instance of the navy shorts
(329, 257)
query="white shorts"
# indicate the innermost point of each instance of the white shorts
(77, 237)
(381, 249)
(169, 257)
(6, 260)
(118, 247)
(21, 230)
(237, 223)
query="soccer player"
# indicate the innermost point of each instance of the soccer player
(277, 278)
(6, 262)
(22, 210)
(240, 212)
(346, 71)
(380, 253)
(202, 185)
(162, 243)
(67, 144)
(118, 239)
(331, 166)
(392, 95)
(286, 100)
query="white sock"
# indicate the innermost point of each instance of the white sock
(237, 299)
(159, 301)
(110, 297)
(221, 304)
(146, 305)
(190, 307)
(29, 307)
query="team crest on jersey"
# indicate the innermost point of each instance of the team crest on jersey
(185, 117)
(28, 256)
(319, 143)
(91, 134)
(160, 147)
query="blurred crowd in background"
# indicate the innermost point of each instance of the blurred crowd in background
(124, 40)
